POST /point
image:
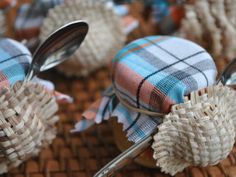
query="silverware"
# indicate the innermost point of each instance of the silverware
(228, 77)
(125, 157)
(57, 47)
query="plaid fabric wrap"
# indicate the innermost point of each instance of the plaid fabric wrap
(151, 73)
(14, 62)
(30, 17)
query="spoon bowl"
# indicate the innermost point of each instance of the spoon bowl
(57, 47)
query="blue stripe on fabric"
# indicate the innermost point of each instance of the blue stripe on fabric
(14, 73)
(4, 55)
(84, 124)
(127, 48)
(19, 46)
(8, 64)
(127, 115)
(135, 44)
(143, 68)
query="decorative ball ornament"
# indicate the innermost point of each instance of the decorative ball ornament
(199, 132)
(27, 123)
(211, 23)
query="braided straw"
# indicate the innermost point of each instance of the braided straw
(200, 131)
(26, 122)
(211, 23)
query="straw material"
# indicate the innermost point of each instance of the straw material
(200, 131)
(83, 154)
(212, 25)
(26, 122)
(104, 39)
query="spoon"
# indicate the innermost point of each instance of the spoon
(57, 47)
(228, 77)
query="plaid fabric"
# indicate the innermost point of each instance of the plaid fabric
(14, 64)
(151, 73)
(14, 61)
(30, 17)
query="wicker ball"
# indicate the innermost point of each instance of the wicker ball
(200, 131)
(27, 122)
(104, 39)
(211, 24)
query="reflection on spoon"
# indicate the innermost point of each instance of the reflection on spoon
(57, 47)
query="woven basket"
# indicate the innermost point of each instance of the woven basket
(211, 24)
(27, 119)
(198, 132)
(104, 39)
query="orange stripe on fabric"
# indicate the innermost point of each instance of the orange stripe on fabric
(140, 47)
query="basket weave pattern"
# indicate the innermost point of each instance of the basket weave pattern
(26, 121)
(83, 154)
(200, 131)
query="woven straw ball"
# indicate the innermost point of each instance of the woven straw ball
(200, 131)
(211, 24)
(104, 38)
(27, 122)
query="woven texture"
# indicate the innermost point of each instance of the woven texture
(104, 39)
(200, 131)
(27, 123)
(82, 154)
(212, 25)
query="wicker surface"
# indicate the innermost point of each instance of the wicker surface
(85, 153)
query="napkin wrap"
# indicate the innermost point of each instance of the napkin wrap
(152, 74)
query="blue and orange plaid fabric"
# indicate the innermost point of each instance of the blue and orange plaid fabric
(151, 73)
(14, 61)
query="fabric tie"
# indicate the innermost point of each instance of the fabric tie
(152, 74)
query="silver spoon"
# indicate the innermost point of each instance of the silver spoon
(57, 47)
(228, 77)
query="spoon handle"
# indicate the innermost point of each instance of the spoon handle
(31, 73)
(125, 157)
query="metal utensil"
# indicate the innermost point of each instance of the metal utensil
(57, 47)
(228, 77)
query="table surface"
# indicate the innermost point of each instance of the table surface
(83, 154)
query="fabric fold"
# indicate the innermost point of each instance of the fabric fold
(135, 124)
